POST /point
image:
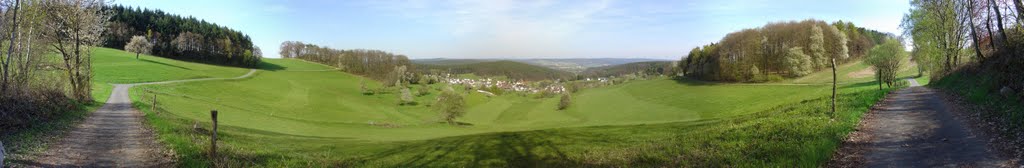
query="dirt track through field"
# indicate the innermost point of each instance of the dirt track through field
(915, 127)
(113, 136)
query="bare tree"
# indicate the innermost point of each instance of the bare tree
(10, 48)
(139, 44)
(999, 19)
(974, 33)
(257, 52)
(73, 27)
(1020, 10)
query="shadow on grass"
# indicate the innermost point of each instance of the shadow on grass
(693, 82)
(270, 66)
(507, 149)
(165, 64)
(861, 84)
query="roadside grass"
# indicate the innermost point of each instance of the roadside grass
(292, 118)
(980, 89)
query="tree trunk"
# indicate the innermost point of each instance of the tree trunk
(136, 56)
(879, 76)
(999, 19)
(1020, 10)
(10, 48)
(974, 34)
(834, 87)
(991, 36)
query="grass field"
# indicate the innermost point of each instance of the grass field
(117, 66)
(293, 113)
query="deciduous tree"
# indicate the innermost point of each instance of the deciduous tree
(451, 105)
(74, 27)
(139, 44)
(564, 102)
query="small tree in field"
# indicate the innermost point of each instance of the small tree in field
(423, 90)
(887, 59)
(362, 87)
(139, 44)
(406, 97)
(450, 104)
(565, 102)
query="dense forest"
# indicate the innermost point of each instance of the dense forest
(779, 50)
(177, 37)
(511, 69)
(644, 68)
(375, 64)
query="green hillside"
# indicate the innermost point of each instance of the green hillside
(293, 112)
(510, 69)
(651, 67)
(117, 66)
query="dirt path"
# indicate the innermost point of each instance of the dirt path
(915, 127)
(112, 136)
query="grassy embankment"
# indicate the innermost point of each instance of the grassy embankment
(291, 114)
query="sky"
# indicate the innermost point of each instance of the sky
(658, 29)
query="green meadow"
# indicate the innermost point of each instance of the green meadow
(296, 113)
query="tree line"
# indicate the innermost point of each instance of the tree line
(511, 69)
(644, 68)
(948, 34)
(374, 64)
(973, 48)
(177, 37)
(779, 50)
(45, 57)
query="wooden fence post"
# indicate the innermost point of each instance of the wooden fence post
(154, 104)
(213, 138)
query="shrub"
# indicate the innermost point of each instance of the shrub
(564, 103)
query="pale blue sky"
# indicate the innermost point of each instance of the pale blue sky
(518, 29)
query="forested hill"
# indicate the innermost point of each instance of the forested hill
(779, 50)
(375, 64)
(177, 37)
(510, 69)
(646, 68)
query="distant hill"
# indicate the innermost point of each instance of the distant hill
(574, 65)
(649, 67)
(510, 69)
(445, 61)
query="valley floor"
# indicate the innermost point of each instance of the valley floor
(294, 113)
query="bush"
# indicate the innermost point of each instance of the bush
(564, 103)
(20, 110)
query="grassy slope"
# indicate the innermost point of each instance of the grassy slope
(845, 71)
(117, 66)
(282, 117)
(512, 69)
